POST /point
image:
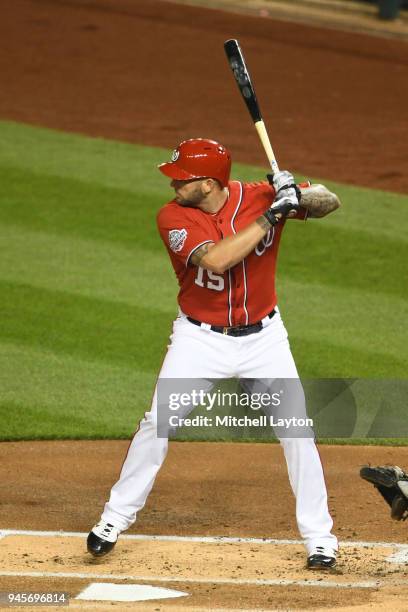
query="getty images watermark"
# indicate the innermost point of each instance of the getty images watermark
(232, 409)
(219, 400)
(346, 408)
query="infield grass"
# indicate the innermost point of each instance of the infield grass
(88, 295)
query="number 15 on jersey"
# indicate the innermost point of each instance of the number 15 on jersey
(206, 278)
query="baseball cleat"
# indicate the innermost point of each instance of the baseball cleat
(321, 558)
(102, 539)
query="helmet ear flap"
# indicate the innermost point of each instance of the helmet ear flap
(199, 158)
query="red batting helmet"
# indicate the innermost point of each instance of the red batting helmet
(199, 158)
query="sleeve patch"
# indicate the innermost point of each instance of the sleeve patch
(177, 238)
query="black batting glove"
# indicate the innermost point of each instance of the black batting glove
(284, 203)
(287, 196)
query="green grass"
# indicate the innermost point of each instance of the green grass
(88, 294)
(50, 395)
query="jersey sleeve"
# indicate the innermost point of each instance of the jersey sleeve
(180, 234)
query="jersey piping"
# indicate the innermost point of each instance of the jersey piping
(195, 249)
(243, 263)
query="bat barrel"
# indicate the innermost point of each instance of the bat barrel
(242, 78)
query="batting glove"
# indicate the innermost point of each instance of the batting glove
(281, 180)
(285, 202)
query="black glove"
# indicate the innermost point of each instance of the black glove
(392, 483)
(287, 196)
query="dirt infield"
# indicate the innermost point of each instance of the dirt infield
(204, 489)
(153, 72)
(214, 489)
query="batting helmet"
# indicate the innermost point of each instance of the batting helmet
(199, 158)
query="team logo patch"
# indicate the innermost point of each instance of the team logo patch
(175, 155)
(177, 239)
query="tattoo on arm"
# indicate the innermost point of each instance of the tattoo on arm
(319, 201)
(199, 253)
(263, 223)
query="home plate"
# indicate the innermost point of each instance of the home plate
(108, 591)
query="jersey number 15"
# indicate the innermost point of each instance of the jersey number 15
(212, 280)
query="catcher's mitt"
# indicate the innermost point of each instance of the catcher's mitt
(392, 482)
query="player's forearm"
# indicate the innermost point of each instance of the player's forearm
(319, 201)
(229, 251)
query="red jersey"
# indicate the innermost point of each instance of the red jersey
(245, 293)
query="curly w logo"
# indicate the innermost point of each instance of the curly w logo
(265, 242)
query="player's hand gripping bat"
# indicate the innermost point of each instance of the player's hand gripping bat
(241, 74)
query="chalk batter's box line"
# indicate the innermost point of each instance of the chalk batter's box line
(399, 556)
(204, 539)
(366, 584)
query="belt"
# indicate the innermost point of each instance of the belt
(238, 330)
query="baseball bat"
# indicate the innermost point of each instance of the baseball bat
(243, 79)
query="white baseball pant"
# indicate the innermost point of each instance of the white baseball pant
(195, 352)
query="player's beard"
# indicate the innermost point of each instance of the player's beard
(194, 198)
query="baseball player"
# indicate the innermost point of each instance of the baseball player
(223, 237)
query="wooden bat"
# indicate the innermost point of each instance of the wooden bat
(243, 79)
